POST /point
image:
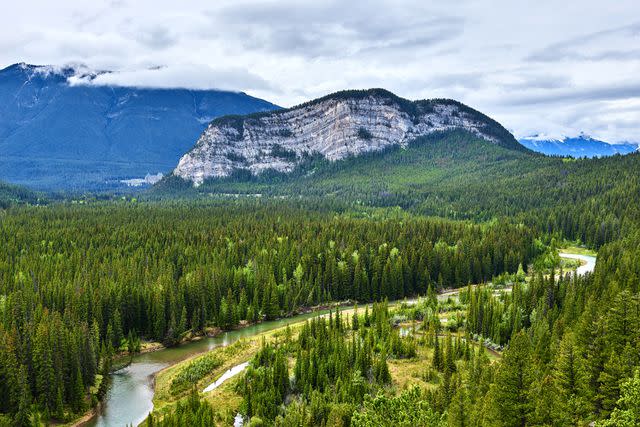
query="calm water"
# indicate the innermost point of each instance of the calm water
(130, 396)
(588, 267)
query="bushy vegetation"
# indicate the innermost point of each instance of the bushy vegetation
(194, 372)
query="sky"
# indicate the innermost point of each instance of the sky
(545, 67)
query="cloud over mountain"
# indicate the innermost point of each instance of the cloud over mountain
(543, 67)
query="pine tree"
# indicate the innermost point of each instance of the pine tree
(22, 417)
(610, 380)
(77, 390)
(458, 411)
(272, 310)
(449, 363)
(438, 359)
(118, 334)
(354, 320)
(571, 381)
(513, 382)
(627, 414)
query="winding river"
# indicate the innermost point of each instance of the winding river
(588, 262)
(130, 397)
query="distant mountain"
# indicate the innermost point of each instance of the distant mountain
(580, 146)
(337, 126)
(55, 134)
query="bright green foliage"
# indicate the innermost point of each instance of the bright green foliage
(408, 409)
(628, 412)
(191, 412)
(335, 368)
(194, 372)
(512, 387)
(266, 383)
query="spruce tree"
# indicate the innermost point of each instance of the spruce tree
(513, 382)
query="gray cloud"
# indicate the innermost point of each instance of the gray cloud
(159, 37)
(335, 28)
(584, 46)
(541, 67)
(617, 92)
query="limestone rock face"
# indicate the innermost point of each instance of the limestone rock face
(337, 126)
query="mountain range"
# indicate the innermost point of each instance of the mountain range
(579, 146)
(59, 131)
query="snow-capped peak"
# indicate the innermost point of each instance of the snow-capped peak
(545, 137)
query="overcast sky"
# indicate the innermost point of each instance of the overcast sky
(544, 66)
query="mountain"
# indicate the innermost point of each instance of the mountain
(335, 127)
(453, 174)
(580, 146)
(58, 134)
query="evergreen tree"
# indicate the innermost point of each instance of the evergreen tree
(513, 382)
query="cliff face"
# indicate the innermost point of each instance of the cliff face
(336, 126)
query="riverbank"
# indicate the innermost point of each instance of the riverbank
(213, 332)
(133, 393)
(227, 400)
(579, 250)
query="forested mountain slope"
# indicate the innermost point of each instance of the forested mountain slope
(13, 194)
(334, 127)
(456, 175)
(59, 135)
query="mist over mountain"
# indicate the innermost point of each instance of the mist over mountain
(58, 131)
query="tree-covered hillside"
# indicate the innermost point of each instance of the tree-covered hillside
(458, 176)
(13, 194)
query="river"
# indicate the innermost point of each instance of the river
(588, 262)
(130, 396)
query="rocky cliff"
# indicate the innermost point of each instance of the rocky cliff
(343, 124)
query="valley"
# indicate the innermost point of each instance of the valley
(243, 344)
(319, 214)
(193, 281)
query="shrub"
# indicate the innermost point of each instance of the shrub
(194, 372)
(364, 133)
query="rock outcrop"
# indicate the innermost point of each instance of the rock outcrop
(343, 124)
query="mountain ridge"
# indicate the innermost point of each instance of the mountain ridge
(576, 146)
(335, 126)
